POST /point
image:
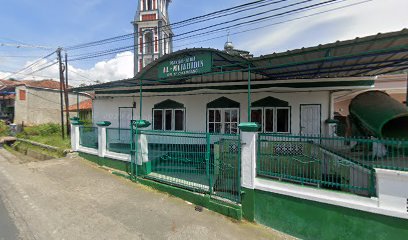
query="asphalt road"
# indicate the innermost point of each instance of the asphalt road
(71, 198)
(8, 230)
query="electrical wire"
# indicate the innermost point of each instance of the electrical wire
(249, 22)
(128, 36)
(290, 20)
(32, 65)
(187, 22)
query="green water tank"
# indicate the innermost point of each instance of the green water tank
(380, 115)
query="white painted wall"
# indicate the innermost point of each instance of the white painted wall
(106, 108)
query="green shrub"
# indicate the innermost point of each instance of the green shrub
(49, 134)
(4, 129)
(42, 130)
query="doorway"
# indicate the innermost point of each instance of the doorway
(310, 119)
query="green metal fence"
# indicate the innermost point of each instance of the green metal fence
(118, 140)
(345, 164)
(201, 162)
(88, 137)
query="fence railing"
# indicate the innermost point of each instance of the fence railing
(345, 164)
(201, 162)
(88, 137)
(118, 140)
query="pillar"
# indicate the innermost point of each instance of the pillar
(75, 124)
(249, 137)
(102, 137)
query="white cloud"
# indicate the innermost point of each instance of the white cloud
(117, 68)
(356, 21)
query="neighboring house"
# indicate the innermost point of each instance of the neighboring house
(32, 102)
(7, 97)
(85, 110)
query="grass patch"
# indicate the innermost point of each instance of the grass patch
(49, 134)
(4, 129)
(23, 147)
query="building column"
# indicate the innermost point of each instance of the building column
(102, 137)
(249, 137)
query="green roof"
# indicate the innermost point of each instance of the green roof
(360, 57)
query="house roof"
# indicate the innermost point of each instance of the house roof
(83, 106)
(48, 83)
(360, 57)
(5, 82)
(51, 84)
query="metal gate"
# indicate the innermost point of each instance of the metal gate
(200, 162)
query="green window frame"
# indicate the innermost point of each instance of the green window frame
(169, 115)
(223, 116)
(272, 119)
(223, 120)
(273, 114)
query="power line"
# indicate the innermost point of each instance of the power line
(18, 56)
(43, 68)
(32, 65)
(127, 36)
(289, 20)
(75, 72)
(250, 22)
(25, 46)
(116, 50)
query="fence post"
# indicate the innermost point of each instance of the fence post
(207, 162)
(249, 137)
(102, 137)
(75, 124)
(392, 191)
(74, 137)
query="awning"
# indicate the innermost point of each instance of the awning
(360, 57)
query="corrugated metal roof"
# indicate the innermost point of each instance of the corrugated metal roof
(360, 57)
(368, 56)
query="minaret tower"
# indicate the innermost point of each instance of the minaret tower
(152, 32)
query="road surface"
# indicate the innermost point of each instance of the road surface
(71, 198)
(8, 230)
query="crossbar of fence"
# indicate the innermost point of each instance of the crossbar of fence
(88, 137)
(118, 140)
(345, 164)
(201, 162)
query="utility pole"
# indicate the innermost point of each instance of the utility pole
(61, 73)
(67, 96)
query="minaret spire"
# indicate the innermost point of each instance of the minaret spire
(153, 36)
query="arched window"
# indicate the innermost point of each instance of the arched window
(149, 42)
(223, 116)
(272, 114)
(169, 115)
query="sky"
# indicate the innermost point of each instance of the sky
(63, 23)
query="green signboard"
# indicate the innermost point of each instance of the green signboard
(185, 65)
